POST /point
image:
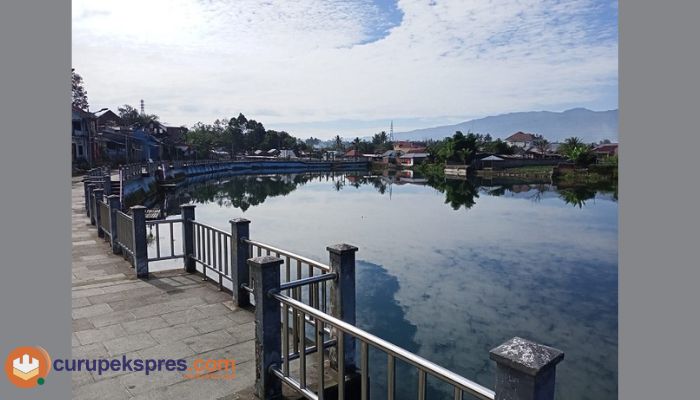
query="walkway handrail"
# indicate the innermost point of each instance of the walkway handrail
(417, 361)
(295, 256)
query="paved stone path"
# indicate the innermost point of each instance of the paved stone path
(172, 315)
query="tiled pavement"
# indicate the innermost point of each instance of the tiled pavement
(172, 315)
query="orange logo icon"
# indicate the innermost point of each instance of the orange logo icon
(27, 366)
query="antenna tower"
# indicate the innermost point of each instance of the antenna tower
(391, 131)
(142, 108)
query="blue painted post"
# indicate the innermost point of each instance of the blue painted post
(268, 335)
(240, 274)
(525, 370)
(91, 202)
(342, 263)
(138, 213)
(114, 205)
(107, 179)
(98, 194)
(86, 182)
(187, 213)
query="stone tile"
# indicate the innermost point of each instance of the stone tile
(210, 341)
(241, 317)
(101, 334)
(96, 376)
(173, 333)
(80, 378)
(139, 383)
(86, 292)
(95, 350)
(212, 324)
(108, 389)
(243, 332)
(214, 309)
(80, 302)
(182, 317)
(112, 318)
(94, 257)
(91, 311)
(174, 350)
(74, 340)
(129, 343)
(82, 324)
(144, 324)
(167, 307)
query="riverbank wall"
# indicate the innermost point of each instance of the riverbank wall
(138, 189)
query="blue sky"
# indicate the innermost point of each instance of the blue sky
(327, 67)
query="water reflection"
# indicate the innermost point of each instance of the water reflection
(450, 268)
(245, 191)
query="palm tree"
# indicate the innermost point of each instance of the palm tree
(338, 142)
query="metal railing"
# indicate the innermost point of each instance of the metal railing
(105, 218)
(297, 267)
(424, 367)
(212, 251)
(169, 226)
(125, 236)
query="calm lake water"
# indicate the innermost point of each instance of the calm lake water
(450, 269)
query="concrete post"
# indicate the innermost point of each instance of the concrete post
(113, 202)
(98, 194)
(525, 370)
(138, 213)
(86, 182)
(91, 202)
(107, 184)
(240, 230)
(342, 292)
(268, 325)
(187, 213)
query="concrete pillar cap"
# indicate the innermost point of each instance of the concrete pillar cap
(341, 248)
(265, 261)
(526, 356)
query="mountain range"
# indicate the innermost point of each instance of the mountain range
(591, 126)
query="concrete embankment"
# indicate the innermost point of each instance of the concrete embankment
(136, 191)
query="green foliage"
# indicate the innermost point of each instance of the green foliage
(79, 94)
(239, 134)
(132, 117)
(575, 150)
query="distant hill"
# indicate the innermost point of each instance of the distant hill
(591, 126)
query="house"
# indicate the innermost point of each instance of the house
(521, 139)
(109, 119)
(83, 131)
(287, 154)
(406, 146)
(144, 146)
(272, 153)
(352, 154)
(606, 150)
(411, 159)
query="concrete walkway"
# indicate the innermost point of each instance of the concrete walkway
(172, 315)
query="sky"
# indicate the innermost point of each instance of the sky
(326, 67)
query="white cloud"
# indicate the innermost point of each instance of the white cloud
(319, 60)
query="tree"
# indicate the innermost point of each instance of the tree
(541, 144)
(79, 94)
(131, 116)
(338, 142)
(575, 150)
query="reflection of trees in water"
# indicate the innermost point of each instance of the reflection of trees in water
(577, 196)
(458, 193)
(245, 191)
